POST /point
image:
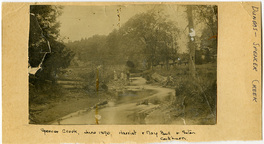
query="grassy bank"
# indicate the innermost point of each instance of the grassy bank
(57, 107)
(74, 90)
(196, 98)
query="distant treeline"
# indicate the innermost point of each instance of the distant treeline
(146, 39)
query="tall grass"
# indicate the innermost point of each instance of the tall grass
(196, 97)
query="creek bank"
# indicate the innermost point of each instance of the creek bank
(129, 105)
(60, 107)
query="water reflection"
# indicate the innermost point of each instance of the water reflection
(132, 105)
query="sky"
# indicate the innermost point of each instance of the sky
(79, 22)
(85, 21)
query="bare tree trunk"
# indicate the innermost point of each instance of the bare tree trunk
(191, 42)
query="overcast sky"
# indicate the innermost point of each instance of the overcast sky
(85, 21)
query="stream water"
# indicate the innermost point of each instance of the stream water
(130, 107)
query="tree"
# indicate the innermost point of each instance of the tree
(191, 43)
(45, 49)
(154, 34)
(145, 39)
(207, 14)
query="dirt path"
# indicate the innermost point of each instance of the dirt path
(131, 107)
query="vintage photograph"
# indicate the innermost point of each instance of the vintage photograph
(131, 64)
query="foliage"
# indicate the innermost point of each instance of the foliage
(207, 14)
(192, 94)
(44, 32)
(154, 35)
(145, 39)
(89, 49)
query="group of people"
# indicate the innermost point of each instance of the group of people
(123, 76)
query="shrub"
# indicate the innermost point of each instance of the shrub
(195, 99)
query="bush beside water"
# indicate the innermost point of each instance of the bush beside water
(196, 98)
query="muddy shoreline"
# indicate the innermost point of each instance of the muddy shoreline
(60, 107)
(130, 105)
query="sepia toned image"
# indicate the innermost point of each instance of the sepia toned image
(135, 64)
